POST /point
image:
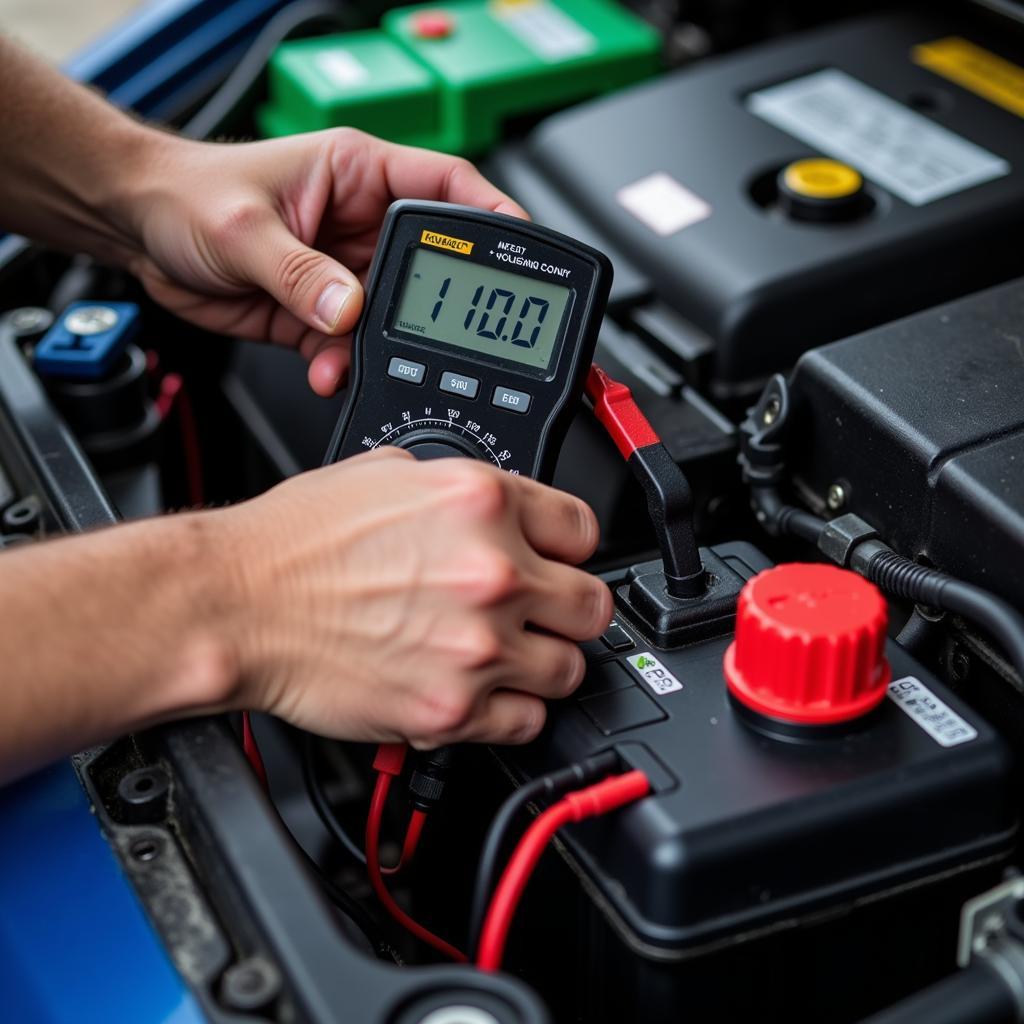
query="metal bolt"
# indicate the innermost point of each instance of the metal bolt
(771, 411)
(959, 666)
(88, 320)
(460, 1015)
(836, 497)
(250, 985)
(30, 320)
(143, 786)
(146, 848)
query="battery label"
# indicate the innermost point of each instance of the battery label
(549, 32)
(937, 718)
(662, 203)
(904, 152)
(653, 673)
(985, 74)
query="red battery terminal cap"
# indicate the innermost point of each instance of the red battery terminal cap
(433, 24)
(809, 646)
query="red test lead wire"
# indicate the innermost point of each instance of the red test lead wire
(252, 751)
(373, 822)
(595, 800)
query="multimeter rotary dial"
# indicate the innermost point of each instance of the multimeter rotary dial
(431, 436)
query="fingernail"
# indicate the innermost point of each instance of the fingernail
(331, 304)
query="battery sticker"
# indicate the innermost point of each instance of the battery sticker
(937, 719)
(991, 77)
(341, 68)
(662, 203)
(653, 673)
(548, 31)
(904, 152)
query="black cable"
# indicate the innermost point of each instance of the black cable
(544, 786)
(779, 518)
(350, 907)
(233, 90)
(904, 578)
(918, 632)
(975, 995)
(320, 802)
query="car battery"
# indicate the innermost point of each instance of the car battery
(810, 780)
(918, 427)
(774, 199)
(449, 76)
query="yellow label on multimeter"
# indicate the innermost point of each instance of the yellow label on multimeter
(459, 245)
(985, 74)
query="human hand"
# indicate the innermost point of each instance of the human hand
(432, 602)
(272, 240)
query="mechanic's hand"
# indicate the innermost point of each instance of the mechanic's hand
(271, 240)
(433, 602)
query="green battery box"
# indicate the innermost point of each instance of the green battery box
(448, 77)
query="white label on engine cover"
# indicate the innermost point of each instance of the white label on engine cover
(653, 673)
(341, 69)
(660, 202)
(937, 719)
(549, 32)
(904, 152)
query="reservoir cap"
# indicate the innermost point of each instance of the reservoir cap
(809, 646)
(820, 189)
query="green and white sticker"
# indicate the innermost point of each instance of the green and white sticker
(653, 673)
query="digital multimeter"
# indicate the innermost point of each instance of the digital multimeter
(476, 338)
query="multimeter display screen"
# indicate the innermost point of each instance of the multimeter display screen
(488, 311)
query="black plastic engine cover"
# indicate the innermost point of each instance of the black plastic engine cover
(922, 423)
(762, 287)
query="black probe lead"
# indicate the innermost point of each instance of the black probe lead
(321, 804)
(543, 787)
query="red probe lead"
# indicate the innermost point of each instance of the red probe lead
(595, 800)
(388, 764)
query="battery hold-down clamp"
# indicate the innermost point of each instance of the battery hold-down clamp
(690, 594)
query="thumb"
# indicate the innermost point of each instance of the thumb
(319, 291)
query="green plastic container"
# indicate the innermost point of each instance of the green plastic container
(448, 77)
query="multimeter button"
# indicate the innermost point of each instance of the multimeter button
(457, 384)
(507, 398)
(405, 369)
(615, 638)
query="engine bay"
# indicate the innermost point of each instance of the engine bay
(813, 218)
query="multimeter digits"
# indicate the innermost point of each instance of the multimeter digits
(476, 337)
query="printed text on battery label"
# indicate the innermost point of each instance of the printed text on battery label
(653, 673)
(936, 717)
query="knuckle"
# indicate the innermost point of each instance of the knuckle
(599, 607)
(480, 646)
(345, 136)
(498, 577)
(531, 723)
(458, 170)
(444, 711)
(585, 525)
(569, 670)
(236, 223)
(296, 273)
(477, 490)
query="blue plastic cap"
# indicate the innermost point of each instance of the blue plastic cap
(87, 340)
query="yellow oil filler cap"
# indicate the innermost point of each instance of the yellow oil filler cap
(820, 189)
